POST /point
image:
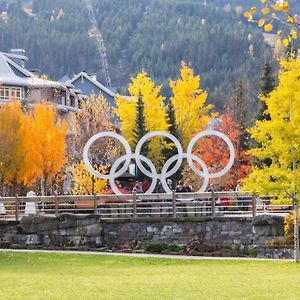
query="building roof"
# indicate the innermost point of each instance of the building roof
(95, 82)
(13, 74)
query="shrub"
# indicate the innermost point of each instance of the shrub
(162, 247)
(280, 241)
(289, 224)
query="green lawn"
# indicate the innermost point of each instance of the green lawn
(67, 276)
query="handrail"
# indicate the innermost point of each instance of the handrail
(156, 196)
(134, 206)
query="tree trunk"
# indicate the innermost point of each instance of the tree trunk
(296, 230)
(44, 183)
(2, 186)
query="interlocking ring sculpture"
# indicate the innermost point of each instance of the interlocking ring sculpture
(165, 173)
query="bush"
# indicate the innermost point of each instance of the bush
(289, 224)
(280, 241)
(162, 247)
(238, 251)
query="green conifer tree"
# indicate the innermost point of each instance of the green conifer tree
(267, 81)
(173, 129)
(267, 85)
(139, 131)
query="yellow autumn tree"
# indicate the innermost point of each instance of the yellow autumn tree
(270, 12)
(154, 110)
(192, 113)
(278, 137)
(49, 139)
(16, 159)
(84, 183)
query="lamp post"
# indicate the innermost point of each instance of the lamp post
(295, 197)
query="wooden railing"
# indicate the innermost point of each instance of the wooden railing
(134, 206)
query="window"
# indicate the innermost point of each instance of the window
(9, 93)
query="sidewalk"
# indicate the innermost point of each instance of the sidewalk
(144, 255)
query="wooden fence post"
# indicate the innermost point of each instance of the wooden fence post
(95, 204)
(56, 205)
(174, 213)
(213, 204)
(17, 207)
(253, 205)
(134, 204)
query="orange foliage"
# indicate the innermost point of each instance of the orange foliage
(31, 145)
(15, 157)
(215, 154)
(49, 146)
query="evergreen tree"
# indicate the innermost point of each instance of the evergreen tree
(240, 106)
(267, 85)
(170, 151)
(240, 112)
(267, 81)
(139, 131)
(171, 118)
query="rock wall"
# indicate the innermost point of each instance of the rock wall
(272, 252)
(90, 231)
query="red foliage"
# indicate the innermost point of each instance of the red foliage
(215, 154)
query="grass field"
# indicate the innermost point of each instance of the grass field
(75, 276)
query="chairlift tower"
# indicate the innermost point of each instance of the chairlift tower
(95, 34)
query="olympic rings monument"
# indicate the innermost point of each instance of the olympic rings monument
(165, 173)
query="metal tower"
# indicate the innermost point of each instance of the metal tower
(95, 34)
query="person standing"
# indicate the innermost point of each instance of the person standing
(138, 188)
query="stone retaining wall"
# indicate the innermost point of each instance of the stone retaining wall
(90, 231)
(272, 252)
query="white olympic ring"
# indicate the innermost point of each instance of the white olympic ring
(132, 156)
(166, 166)
(151, 135)
(92, 140)
(113, 174)
(210, 133)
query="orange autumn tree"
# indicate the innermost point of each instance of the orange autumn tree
(17, 165)
(215, 154)
(49, 137)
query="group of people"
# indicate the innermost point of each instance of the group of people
(181, 187)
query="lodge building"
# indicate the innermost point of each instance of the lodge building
(16, 82)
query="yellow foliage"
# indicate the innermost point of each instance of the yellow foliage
(126, 111)
(265, 10)
(154, 109)
(192, 115)
(289, 222)
(268, 27)
(284, 6)
(261, 22)
(253, 9)
(84, 183)
(279, 137)
(286, 17)
(49, 136)
(291, 19)
(294, 34)
(285, 42)
(248, 15)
